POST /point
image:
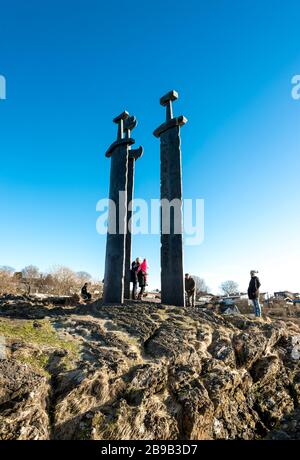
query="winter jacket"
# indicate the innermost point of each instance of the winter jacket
(133, 272)
(189, 284)
(84, 291)
(253, 289)
(143, 267)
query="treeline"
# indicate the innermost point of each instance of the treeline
(60, 280)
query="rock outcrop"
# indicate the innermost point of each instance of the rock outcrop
(145, 371)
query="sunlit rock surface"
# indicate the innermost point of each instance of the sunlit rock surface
(144, 371)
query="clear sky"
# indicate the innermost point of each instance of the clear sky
(71, 66)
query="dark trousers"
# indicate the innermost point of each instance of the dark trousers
(141, 292)
(190, 298)
(134, 289)
(86, 296)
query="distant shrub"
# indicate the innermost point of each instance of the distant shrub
(60, 281)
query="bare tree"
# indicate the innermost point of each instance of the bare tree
(230, 287)
(64, 280)
(31, 272)
(201, 286)
(31, 275)
(60, 280)
(5, 282)
(7, 269)
(83, 277)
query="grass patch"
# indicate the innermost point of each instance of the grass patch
(38, 362)
(41, 338)
(44, 335)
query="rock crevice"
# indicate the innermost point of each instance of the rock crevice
(143, 371)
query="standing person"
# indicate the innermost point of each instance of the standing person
(144, 268)
(190, 289)
(84, 293)
(142, 283)
(253, 293)
(133, 276)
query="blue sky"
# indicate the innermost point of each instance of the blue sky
(72, 66)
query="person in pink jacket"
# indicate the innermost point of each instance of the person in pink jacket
(144, 268)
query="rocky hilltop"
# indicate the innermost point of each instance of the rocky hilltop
(145, 371)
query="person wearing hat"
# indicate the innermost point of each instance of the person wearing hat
(253, 293)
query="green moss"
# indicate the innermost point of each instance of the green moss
(37, 362)
(44, 335)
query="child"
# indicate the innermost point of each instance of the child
(144, 268)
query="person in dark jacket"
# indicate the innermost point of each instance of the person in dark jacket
(84, 293)
(253, 293)
(190, 289)
(134, 276)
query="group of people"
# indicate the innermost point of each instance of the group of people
(138, 277)
(253, 292)
(139, 274)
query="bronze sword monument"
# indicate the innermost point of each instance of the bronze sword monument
(117, 217)
(119, 239)
(172, 278)
(133, 154)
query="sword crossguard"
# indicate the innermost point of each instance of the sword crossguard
(129, 124)
(136, 153)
